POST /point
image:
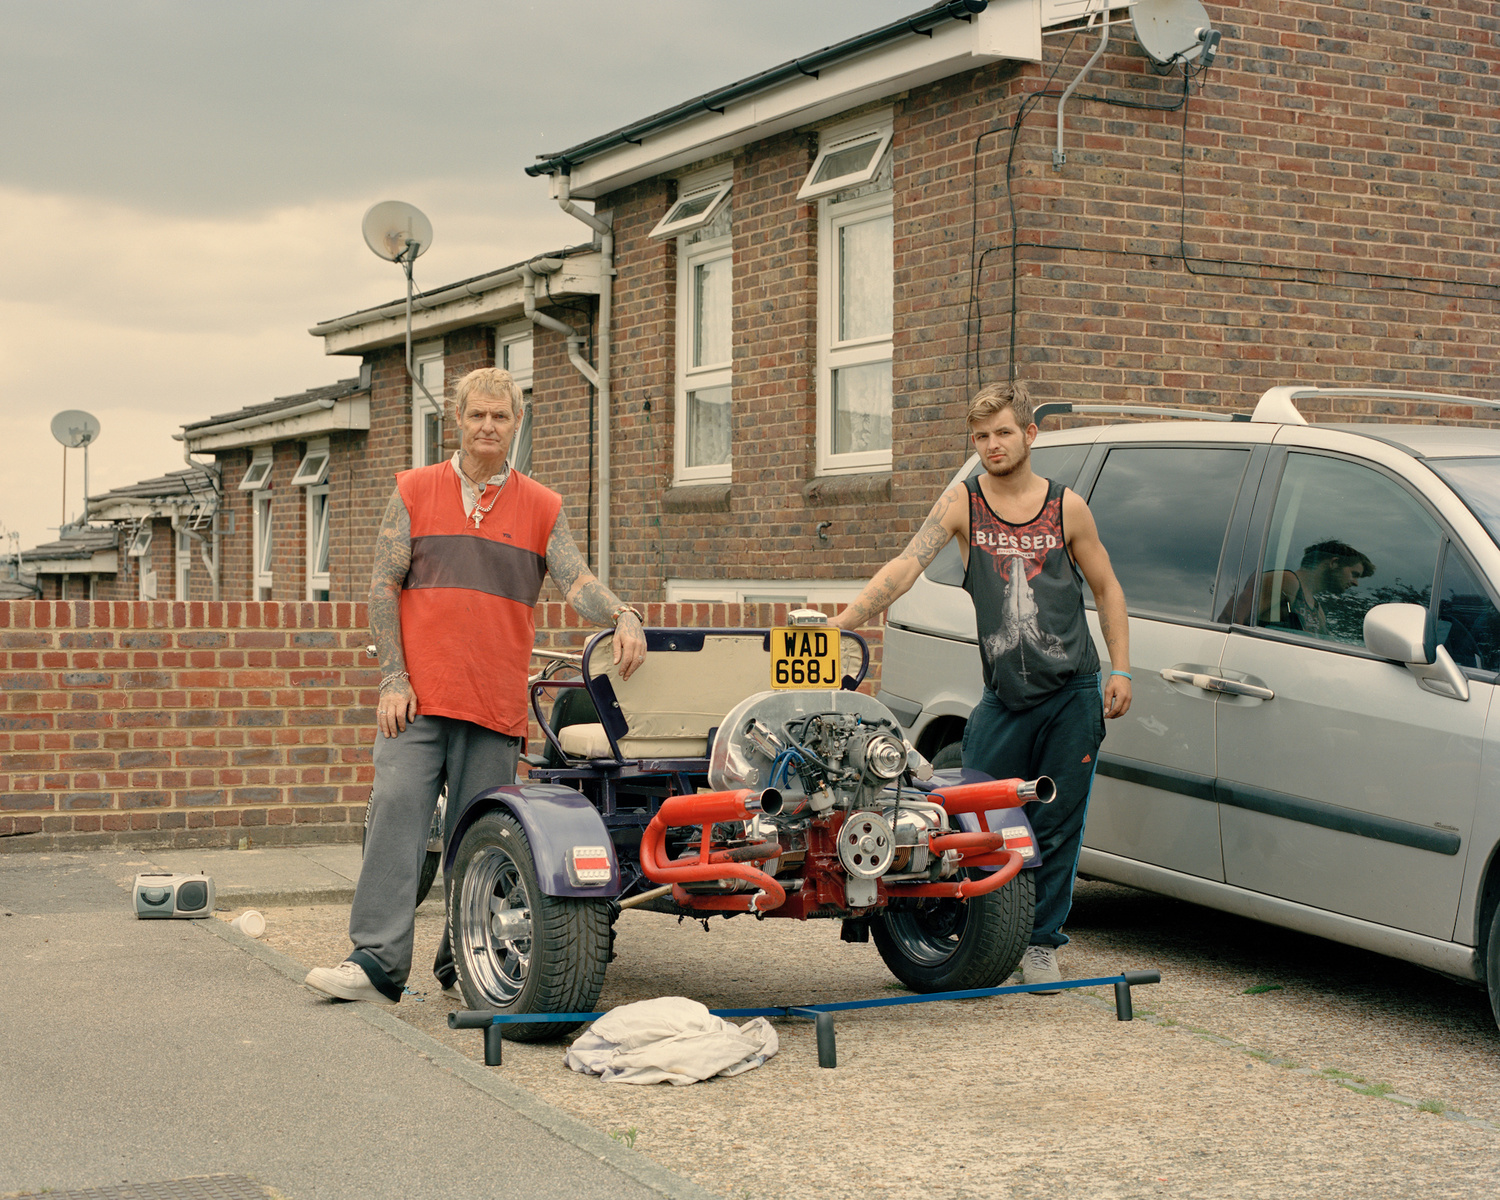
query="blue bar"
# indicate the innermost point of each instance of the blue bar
(810, 1011)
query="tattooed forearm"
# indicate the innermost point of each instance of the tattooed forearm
(933, 535)
(589, 598)
(392, 560)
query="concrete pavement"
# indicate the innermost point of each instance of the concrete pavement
(138, 1051)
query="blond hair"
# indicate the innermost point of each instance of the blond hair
(997, 397)
(489, 381)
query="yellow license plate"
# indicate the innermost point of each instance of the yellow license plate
(804, 656)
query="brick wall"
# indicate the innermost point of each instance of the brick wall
(169, 724)
(183, 724)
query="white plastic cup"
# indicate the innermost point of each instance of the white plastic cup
(250, 923)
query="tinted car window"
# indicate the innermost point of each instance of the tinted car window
(1343, 539)
(1467, 623)
(1477, 481)
(1162, 512)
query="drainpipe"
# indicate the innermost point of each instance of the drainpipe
(1058, 157)
(560, 192)
(210, 559)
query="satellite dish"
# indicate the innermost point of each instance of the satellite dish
(1171, 31)
(74, 427)
(391, 224)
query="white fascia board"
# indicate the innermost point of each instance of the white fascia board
(1007, 29)
(141, 508)
(352, 412)
(102, 562)
(579, 276)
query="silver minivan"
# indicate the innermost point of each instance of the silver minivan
(1315, 644)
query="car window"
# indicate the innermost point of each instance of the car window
(1162, 512)
(1343, 538)
(1477, 482)
(1467, 622)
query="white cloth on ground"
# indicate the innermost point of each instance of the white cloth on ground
(669, 1040)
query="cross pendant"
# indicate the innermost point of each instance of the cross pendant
(478, 517)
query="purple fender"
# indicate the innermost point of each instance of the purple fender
(998, 818)
(555, 819)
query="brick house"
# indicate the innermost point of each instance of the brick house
(808, 272)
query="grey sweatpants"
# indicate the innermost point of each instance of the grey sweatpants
(410, 771)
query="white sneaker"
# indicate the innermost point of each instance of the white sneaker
(347, 981)
(454, 992)
(1039, 965)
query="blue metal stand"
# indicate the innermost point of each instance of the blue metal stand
(821, 1014)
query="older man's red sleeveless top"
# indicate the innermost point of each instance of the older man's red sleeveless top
(467, 625)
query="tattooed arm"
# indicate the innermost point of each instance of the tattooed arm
(590, 599)
(949, 518)
(398, 703)
(1109, 597)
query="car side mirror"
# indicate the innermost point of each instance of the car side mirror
(1399, 632)
(947, 567)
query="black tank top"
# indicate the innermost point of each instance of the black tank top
(1028, 601)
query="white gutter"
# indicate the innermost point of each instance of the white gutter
(430, 300)
(280, 414)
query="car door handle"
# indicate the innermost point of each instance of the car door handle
(1216, 683)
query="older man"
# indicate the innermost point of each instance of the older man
(459, 563)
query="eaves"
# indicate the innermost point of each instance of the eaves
(101, 562)
(490, 299)
(840, 78)
(314, 419)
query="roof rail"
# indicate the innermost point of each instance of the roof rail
(1277, 405)
(1055, 408)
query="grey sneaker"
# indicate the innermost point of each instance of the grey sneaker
(347, 981)
(1039, 965)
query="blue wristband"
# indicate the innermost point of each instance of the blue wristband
(1124, 673)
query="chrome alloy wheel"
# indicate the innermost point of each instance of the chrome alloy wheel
(496, 914)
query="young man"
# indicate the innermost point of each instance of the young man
(1024, 541)
(459, 562)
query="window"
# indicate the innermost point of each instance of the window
(317, 543)
(855, 290)
(140, 544)
(696, 206)
(427, 421)
(1467, 621)
(259, 473)
(183, 563)
(313, 469)
(847, 157)
(1162, 512)
(704, 360)
(513, 354)
(261, 544)
(1343, 538)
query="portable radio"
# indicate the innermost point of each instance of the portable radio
(164, 894)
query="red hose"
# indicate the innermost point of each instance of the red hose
(964, 889)
(705, 810)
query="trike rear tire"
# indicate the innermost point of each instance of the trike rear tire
(935, 945)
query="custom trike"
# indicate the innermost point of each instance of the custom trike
(737, 771)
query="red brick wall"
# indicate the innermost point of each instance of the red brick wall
(183, 724)
(193, 724)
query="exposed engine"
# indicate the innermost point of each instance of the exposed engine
(828, 812)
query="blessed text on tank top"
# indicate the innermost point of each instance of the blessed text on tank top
(1028, 601)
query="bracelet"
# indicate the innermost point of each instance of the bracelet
(1124, 673)
(393, 676)
(620, 610)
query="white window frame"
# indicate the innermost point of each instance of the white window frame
(834, 353)
(873, 127)
(689, 377)
(258, 474)
(422, 356)
(318, 534)
(313, 469)
(262, 529)
(671, 225)
(763, 591)
(182, 562)
(507, 336)
(148, 585)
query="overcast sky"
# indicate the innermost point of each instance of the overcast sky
(182, 183)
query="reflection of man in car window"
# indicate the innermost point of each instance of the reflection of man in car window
(1294, 599)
